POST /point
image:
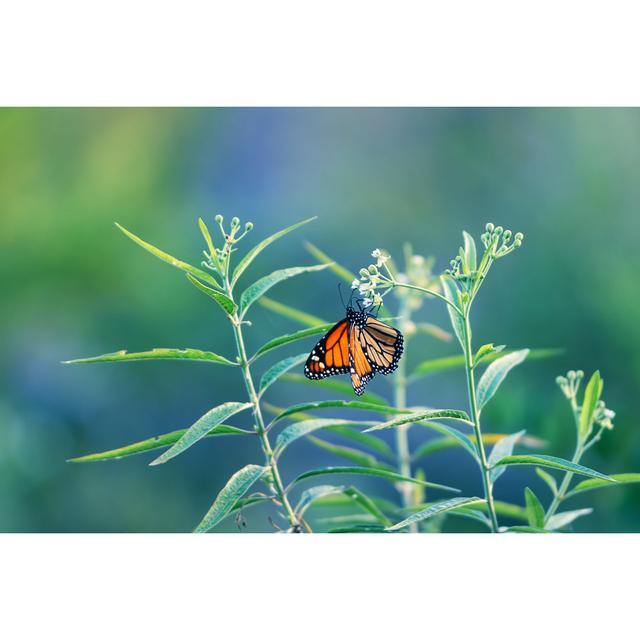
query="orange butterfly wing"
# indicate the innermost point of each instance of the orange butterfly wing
(361, 370)
(382, 344)
(330, 356)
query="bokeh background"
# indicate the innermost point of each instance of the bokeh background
(72, 285)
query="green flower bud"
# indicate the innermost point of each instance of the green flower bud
(219, 219)
(489, 227)
(364, 273)
(498, 231)
(235, 222)
(248, 226)
(519, 236)
(373, 270)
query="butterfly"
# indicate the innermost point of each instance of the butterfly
(359, 345)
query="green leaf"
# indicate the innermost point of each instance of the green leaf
(372, 442)
(341, 404)
(194, 271)
(589, 485)
(470, 251)
(204, 230)
(338, 269)
(301, 429)
(592, 394)
(553, 463)
(431, 414)
(291, 337)
(157, 442)
(560, 520)
(330, 384)
(436, 365)
(360, 458)
(550, 480)
(459, 437)
(441, 444)
(495, 373)
(367, 504)
(201, 427)
(227, 304)
(486, 350)
(450, 291)
(239, 483)
(287, 311)
(261, 286)
(157, 354)
(309, 496)
(433, 510)
(253, 253)
(508, 510)
(367, 471)
(274, 372)
(535, 511)
(501, 449)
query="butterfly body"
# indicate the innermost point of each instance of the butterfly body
(359, 345)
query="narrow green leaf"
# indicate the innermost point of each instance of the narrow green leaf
(560, 520)
(341, 404)
(201, 427)
(194, 271)
(261, 286)
(287, 311)
(436, 365)
(501, 449)
(441, 444)
(594, 483)
(253, 253)
(495, 373)
(157, 442)
(367, 504)
(470, 251)
(450, 291)
(553, 463)
(535, 511)
(344, 388)
(431, 414)
(367, 471)
(309, 496)
(157, 354)
(460, 438)
(550, 480)
(340, 500)
(487, 350)
(371, 442)
(433, 510)
(508, 510)
(360, 458)
(226, 303)
(204, 230)
(274, 372)
(289, 338)
(592, 394)
(304, 428)
(239, 483)
(338, 269)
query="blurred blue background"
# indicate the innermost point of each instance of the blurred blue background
(72, 285)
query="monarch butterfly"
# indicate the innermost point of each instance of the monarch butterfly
(360, 345)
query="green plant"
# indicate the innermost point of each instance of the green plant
(368, 454)
(218, 280)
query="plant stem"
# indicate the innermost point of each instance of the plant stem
(259, 419)
(559, 497)
(427, 291)
(475, 417)
(402, 435)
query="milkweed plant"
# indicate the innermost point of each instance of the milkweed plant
(411, 284)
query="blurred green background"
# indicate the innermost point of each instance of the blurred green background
(72, 285)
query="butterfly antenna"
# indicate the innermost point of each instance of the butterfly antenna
(340, 293)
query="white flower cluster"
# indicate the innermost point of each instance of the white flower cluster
(371, 279)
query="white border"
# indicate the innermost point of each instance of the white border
(285, 52)
(320, 586)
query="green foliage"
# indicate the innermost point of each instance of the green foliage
(370, 456)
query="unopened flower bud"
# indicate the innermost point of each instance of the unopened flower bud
(235, 222)
(219, 218)
(489, 227)
(248, 226)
